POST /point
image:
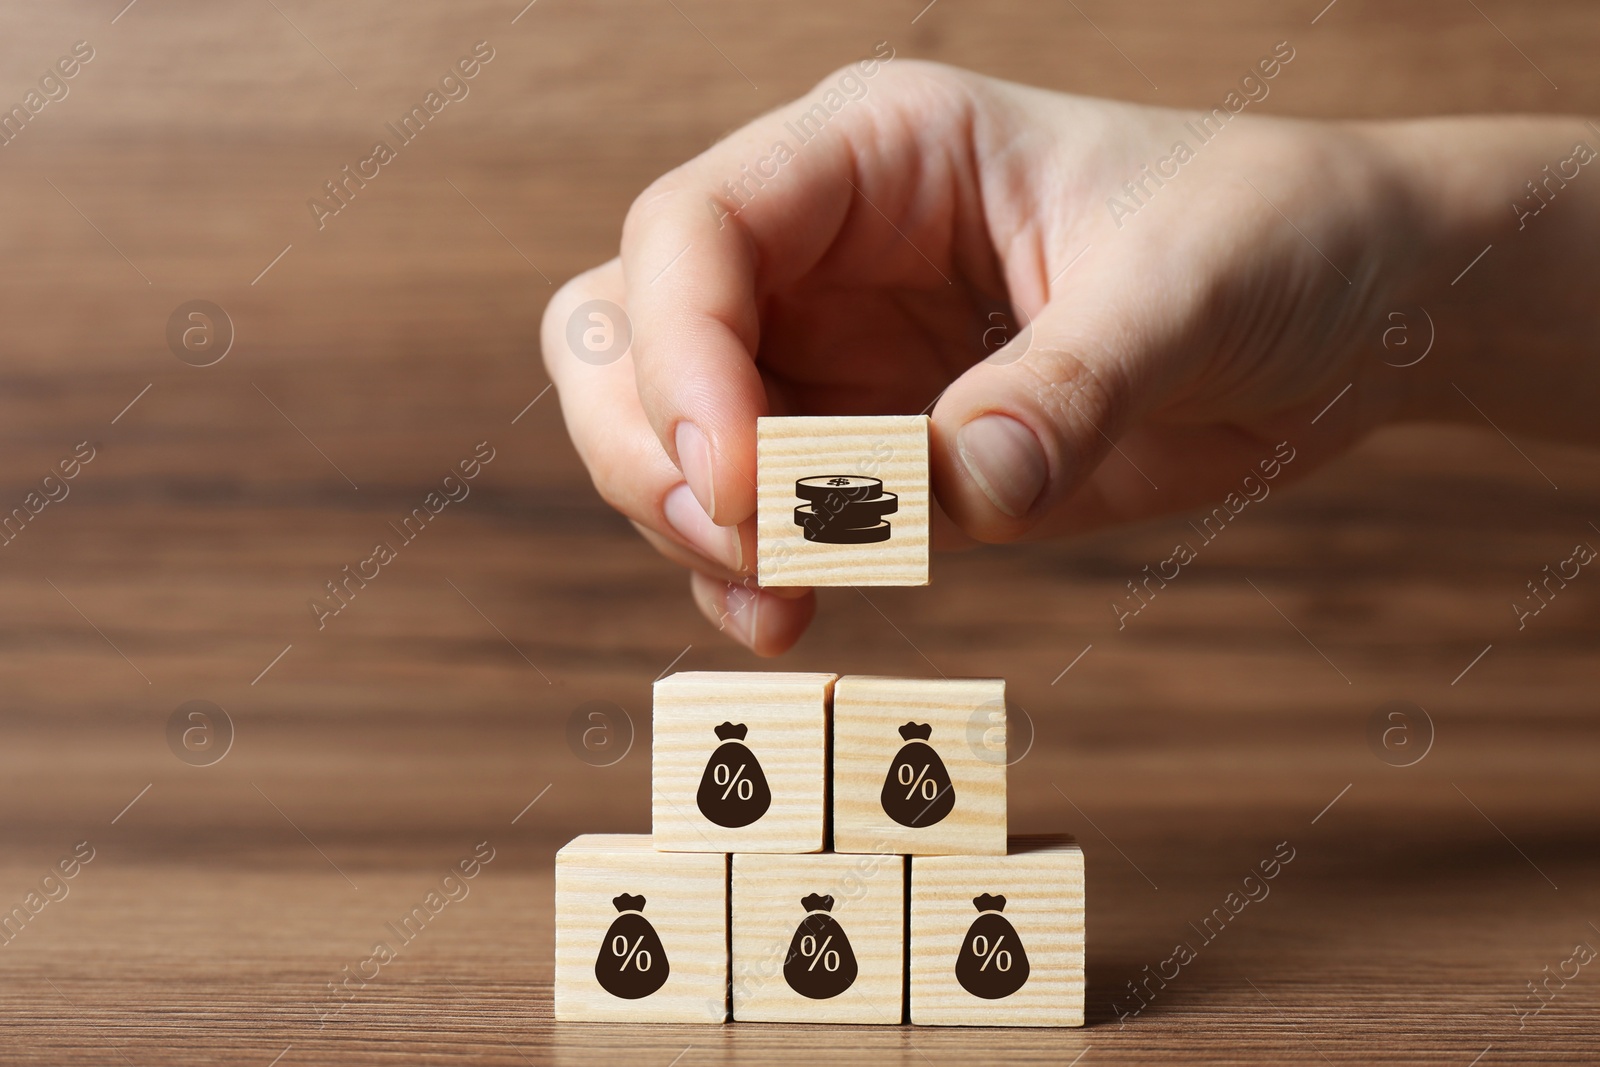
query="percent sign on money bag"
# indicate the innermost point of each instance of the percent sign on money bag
(917, 789)
(821, 963)
(632, 963)
(733, 790)
(992, 963)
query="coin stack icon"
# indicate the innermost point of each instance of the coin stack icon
(844, 509)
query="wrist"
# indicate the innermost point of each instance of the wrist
(1432, 231)
(1490, 270)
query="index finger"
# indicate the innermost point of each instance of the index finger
(700, 249)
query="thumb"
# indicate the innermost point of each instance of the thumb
(1020, 432)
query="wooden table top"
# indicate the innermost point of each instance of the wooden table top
(371, 355)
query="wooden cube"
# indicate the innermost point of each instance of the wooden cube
(641, 935)
(919, 765)
(998, 941)
(819, 938)
(842, 500)
(740, 761)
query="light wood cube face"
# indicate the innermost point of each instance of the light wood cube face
(819, 938)
(739, 761)
(842, 500)
(641, 935)
(980, 960)
(919, 765)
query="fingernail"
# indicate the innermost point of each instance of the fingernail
(694, 459)
(742, 613)
(719, 544)
(1006, 460)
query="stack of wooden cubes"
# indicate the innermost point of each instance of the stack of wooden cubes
(824, 849)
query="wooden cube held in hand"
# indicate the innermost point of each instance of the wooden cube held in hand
(641, 935)
(919, 765)
(818, 938)
(739, 761)
(999, 941)
(842, 500)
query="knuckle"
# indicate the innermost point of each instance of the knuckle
(556, 325)
(650, 205)
(572, 293)
(1072, 391)
(924, 75)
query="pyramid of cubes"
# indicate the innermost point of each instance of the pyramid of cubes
(824, 849)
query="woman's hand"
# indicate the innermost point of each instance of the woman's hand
(1111, 311)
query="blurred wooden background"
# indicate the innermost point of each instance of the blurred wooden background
(376, 352)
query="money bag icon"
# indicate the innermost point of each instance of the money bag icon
(733, 789)
(917, 790)
(992, 963)
(632, 964)
(821, 963)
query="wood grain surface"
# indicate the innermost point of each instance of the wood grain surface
(369, 755)
(682, 896)
(967, 720)
(892, 449)
(787, 751)
(1041, 887)
(771, 898)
